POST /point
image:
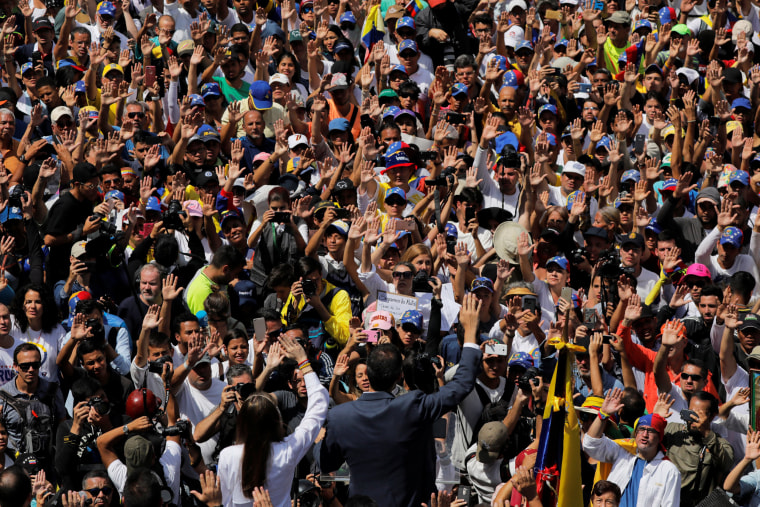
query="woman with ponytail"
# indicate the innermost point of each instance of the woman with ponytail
(265, 455)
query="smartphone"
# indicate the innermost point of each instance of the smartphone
(428, 155)
(606, 338)
(714, 124)
(599, 5)
(147, 229)
(281, 217)
(584, 88)
(440, 428)
(451, 247)
(464, 493)
(455, 118)
(529, 303)
(689, 416)
(36, 58)
(150, 75)
(404, 225)
(638, 143)
(469, 214)
(551, 14)
(373, 335)
(259, 329)
(589, 318)
(554, 71)
(496, 349)
(567, 295)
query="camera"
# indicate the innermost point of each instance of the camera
(309, 288)
(420, 282)
(97, 329)
(15, 196)
(106, 227)
(157, 366)
(529, 379)
(181, 428)
(100, 405)
(245, 389)
(172, 217)
(610, 267)
(447, 176)
(281, 217)
(342, 214)
(578, 255)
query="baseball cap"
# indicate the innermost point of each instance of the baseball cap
(261, 93)
(596, 232)
(681, 29)
(395, 191)
(412, 318)
(297, 140)
(667, 15)
(451, 231)
(68, 62)
(210, 90)
(732, 236)
(654, 421)
(112, 66)
(698, 270)
(405, 22)
(642, 23)
(741, 102)
(339, 124)
(521, 359)
(153, 204)
(492, 439)
(341, 226)
(279, 78)
(749, 320)
(348, 17)
(107, 9)
(84, 172)
(397, 159)
(339, 81)
(560, 261)
(605, 143)
(42, 24)
(631, 175)
(633, 238)
(193, 208)
(654, 226)
(59, 112)
(228, 215)
(690, 75)
(404, 112)
(740, 176)
(344, 184)
(669, 185)
(11, 213)
(517, 4)
(408, 44)
(208, 133)
(187, 46)
(381, 320)
(547, 107)
(574, 167)
(733, 75)
(394, 12)
(481, 282)
(514, 78)
(205, 178)
(458, 89)
(295, 36)
(114, 194)
(709, 194)
(342, 45)
(572, 198)
(620, 18)
(399, 68)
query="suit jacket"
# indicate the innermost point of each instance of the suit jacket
(388, 442)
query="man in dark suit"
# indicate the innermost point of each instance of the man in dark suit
(388, 442)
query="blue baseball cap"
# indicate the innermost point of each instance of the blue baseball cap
(115, 194)
(732, 236)
(654, 226)
(604, 142)
(481, 282)
(402, 112)
(560, 261)
(80, 87)
(395, 146)
(741, 102)
(261, 93)
(740, 176)
(561, 43)
(341, 226)
(458, 89)
(348, 17)
(669, 185)
(397, 191)
(339, 125)
(397, 159)
(507, 138)
(342, 46)
(631, 175)
(451, 231)
(524, 44)
(501, 62)
(208, 133)
(391, 111)
(11, 213)
(405, 22)
(399, 68)
(27, 66)
(572, 197)
(228, 215)
(412, 318)
(522, 359)
(547, 107)
(153, 204)
(514, 79)
(211, 90)
(408, 44)
(642, 23)
(667, 15)
(107, 9)
(196, 100)
(552, 139)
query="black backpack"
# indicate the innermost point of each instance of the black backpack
(37, 416)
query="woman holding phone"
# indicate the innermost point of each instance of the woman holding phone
(265, 456)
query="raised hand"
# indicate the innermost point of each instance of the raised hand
(613, 402)
(151, 319)
(662, 407)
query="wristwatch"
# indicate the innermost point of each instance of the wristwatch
(126, 429)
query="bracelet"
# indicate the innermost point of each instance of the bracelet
(603, 416)
(304, 364)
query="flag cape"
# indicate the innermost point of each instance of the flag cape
(373, 30)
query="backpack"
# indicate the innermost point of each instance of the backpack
(37, 416)
(492, 411)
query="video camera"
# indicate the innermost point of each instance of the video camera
(157, 366)
(447, 176)
(182, 428)
(529, 379)
(172, 217)
(101, 406)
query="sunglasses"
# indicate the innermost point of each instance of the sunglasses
(274, 334)
(402, 275)
(135, 115)
(347, 26)
(26, 366)
(407, 95)
(687, 376)
(96, 491)
(306, 10)
(65, 122)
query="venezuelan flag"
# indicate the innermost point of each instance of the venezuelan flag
(373, 30)
(558, 461)
(414, 7)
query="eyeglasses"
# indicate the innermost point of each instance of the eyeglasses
(218, 318)
(403, 275)
(649, 430)
(26, 366)
(167, 32)
(689, 376)
(306, 10)
(136, 114)
(347, 26)
(406, 95)
(88, 186)
(96, 491)
(706, 205)
(407, 55)
(65, 122)
(274, 334)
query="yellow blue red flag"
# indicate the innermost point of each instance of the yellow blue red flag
(373, 30)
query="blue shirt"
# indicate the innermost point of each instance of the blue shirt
(609, 382)
(631, 492)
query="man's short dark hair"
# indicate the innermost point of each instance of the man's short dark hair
(269, 315)
(483, 19)
(228, 255)
(633, 405)
(87, 306)
(15, 487)
(409, 88)
(90, 345)
(699, 364)
(96, 474)
(384, 367)
(238, 370)
(281, 275)
(306, 265)
(183, 317)
(46, 81)
(712, 290)
(470, 195)
(667, 235)
(389, 124)
(705, 396)
(24, 347)
(602, 487)
(83, 388)
(743, 284)
(142, 489)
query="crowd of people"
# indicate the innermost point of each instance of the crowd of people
(328, 252)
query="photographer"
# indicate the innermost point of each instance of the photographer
(222, 420)
(80, 274)
(76, 452)
(140, 449)
(478, 240)
(631, 250)
(115, 340)
(225, 267)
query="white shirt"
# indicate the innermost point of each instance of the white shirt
(50, 345)
(195, 405)
(284, 456)
(660, 484)
(743, 262)
(493, 197)
(645, 282)
(484, 235)
(7, 373)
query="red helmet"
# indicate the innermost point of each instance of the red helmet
(142, 402)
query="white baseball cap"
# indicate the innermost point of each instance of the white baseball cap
(296, 140)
